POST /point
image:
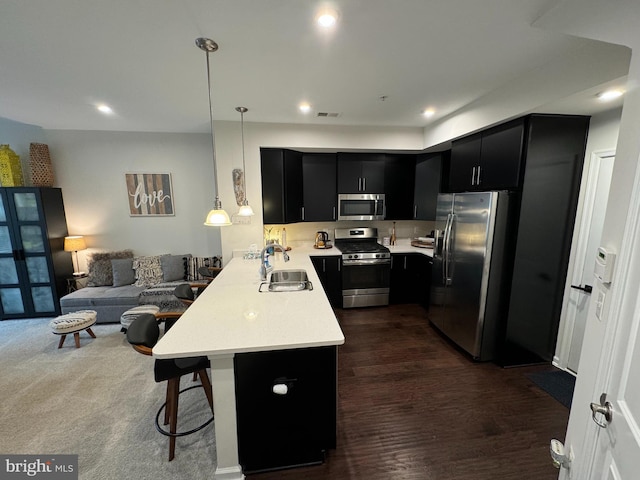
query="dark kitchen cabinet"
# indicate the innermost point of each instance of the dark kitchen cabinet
(320, 196)
(281, 172)
(410, 278)
(361, 172)
(554, 160)
(286, 403)
(490, 160)
(33, 264)
(329, 270)
(399, 180)
(427, 184)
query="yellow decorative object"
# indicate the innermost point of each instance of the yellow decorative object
(10, 168)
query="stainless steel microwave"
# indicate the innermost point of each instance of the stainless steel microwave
(361, 206)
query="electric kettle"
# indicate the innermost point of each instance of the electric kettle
(322, 240)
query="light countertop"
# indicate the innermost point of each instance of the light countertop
(231, 316)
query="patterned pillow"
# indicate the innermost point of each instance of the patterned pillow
(194, 263)
(100, 270)
(148, 270)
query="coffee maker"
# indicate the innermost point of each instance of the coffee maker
(322, 240)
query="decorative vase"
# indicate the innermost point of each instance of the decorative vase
(40, 165)
(10, 168)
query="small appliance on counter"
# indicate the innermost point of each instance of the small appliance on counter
(423, 242)
(322, 240)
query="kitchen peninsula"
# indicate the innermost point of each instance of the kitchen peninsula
(235, 325)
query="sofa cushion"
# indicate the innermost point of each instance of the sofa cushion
(123, 273)
(173, 267)
(100, 296)
(100, 270)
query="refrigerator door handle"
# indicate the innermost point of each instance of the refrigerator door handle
(448, 279)
(445, 250)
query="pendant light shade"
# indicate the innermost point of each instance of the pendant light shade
(216, 217)
(245, 209)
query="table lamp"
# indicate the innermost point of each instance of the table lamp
(73, 244)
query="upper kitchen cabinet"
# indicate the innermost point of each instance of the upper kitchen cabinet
(427, 184)
(490, 160)
(281, 185)
(361, 172)
(398, 186)
(319, 187)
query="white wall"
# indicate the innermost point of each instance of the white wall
(18, 136)
(90, 168)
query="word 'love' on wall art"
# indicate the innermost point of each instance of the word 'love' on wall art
(150, 194)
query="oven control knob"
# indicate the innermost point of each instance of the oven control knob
(378, 255)
(355, 256)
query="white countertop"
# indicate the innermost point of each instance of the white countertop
(231, 316)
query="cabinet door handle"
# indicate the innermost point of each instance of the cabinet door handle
(364, 184)
(473, 176)
(415, 211)
(478, 177)
(302, 209)
(324, 265)
(405, 262)
(359, 184)
(333, 215)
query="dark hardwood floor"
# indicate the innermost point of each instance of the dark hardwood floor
(412, 406)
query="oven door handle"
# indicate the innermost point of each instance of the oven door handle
(373, 261)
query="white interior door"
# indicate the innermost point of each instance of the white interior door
(610, 449)
(591, 229)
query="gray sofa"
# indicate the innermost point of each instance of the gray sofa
(118, 282)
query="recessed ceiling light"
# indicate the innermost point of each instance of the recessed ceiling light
(304, 107)
(104, 108)
(428, 112)
(327, 17)
(609, 95)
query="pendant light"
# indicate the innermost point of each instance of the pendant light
(216, 217)
(245, 209)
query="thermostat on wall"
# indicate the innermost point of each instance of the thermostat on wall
(604, 265)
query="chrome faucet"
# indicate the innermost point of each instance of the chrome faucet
(263, 269)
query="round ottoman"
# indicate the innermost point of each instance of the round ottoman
(130, 315)
(74, 323)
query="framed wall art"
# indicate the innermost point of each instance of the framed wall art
(150, 194)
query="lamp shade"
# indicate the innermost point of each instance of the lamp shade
(217, 218)
(74, 243)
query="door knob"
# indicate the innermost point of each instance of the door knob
(602, 408)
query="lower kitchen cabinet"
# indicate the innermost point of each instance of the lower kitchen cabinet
(286, 402)
(410, 278)
(329, 271)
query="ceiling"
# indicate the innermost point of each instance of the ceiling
(382, 65)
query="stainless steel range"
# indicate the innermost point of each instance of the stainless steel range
(366, 267)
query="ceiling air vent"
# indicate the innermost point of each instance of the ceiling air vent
(327, 114)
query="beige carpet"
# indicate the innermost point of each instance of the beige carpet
(98, 401)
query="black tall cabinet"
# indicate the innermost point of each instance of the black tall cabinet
(553, 160)
(33, 264)
(281, 185)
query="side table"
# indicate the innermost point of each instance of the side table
(74, 283)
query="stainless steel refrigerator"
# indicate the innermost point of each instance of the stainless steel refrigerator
(470, 283)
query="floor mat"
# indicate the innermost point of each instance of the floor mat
(557, 383)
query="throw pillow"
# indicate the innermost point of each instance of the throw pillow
(100, 270)
(194, 263)
(173, 267)
(123, 273)
(148, 270)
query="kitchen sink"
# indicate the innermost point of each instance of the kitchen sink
(287, 281)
